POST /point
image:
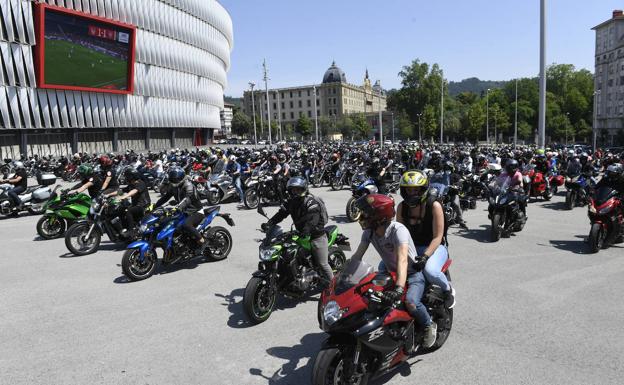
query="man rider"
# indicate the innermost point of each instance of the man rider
(185, 193)
(89, 181)
(394, 244)
(137, 191)
(20, 183)
(110, 183)
(233, 168)
(307, 215)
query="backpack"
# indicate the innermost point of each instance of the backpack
(321, 203)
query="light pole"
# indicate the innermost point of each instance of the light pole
(516, 118)
(566, 127)
(542, 83)
(392, 114)
(268, 103)
(487, 116)
(315, 114)
(380, 118)
(595, 128)
(253, 109)
(442, 107)
(279, 115)
(419, 134)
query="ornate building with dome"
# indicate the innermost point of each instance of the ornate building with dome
(335, 98)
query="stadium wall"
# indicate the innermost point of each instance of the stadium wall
(182, 58)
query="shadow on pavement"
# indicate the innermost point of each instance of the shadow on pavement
(292, 372)
(234, 303)
(559, 206)
(482, 234)
(575, 246)
(341, 218)
(162, 269)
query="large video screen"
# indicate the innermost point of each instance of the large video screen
(82, 52)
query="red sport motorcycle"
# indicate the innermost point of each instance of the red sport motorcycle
(606, 215)
(535, 183)
(368, 334)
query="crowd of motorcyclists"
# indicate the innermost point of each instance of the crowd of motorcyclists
(437, 185)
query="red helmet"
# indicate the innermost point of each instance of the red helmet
(375, 209)
(105, 161)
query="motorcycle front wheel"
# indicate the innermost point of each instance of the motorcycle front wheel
(329, 368)
(135, 269)
(353, 214)
(219, 243)
(214, 197)
(337, 184)
(570, 200)
(50, 226)
(317, 180)
(596, 238)
(251, 198)
(259, 299)
(497, 228)
(76, 239)
(336, 259)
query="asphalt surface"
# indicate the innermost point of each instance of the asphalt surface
(531, 309)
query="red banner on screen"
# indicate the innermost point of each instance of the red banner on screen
(102, 32)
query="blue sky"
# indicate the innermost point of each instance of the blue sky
(491, 40)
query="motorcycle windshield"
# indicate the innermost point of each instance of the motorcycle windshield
(602, 195)
(351, 275)
(274, 233)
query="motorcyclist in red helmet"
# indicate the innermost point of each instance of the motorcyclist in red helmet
(109, 176)
(394, 244)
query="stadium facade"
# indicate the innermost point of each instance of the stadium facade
(176, 82)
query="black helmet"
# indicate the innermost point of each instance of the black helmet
(297, 182)
(614, 171)
(511, 166)
(131, 174)
(176, 176)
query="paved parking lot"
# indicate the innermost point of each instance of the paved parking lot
(532, 309)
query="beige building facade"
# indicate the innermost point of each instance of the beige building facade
(333, 99)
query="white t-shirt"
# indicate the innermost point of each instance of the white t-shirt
(396, 234)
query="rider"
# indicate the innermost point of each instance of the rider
(424, 218)
(307, 215)
(513, 177)
(394, 244)
(140, 199)
(19, 182)
(89, 181)
(110, 182)
(233, 168)
(184, 192)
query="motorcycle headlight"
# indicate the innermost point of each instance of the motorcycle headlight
(268, 254)
(94, 208)
(503, 200)
(605, 210)
(332, 312)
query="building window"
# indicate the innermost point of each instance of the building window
(309, 102)
(274, 106)
(308, 92)
(300, 113)
(291, 104)
(283, 116)
(318, 112)
(291, 94)
(299, 93)
(309, 114)
(317, 102)
(282, 95)
(292, 115)
(300, 104)
(283, 105)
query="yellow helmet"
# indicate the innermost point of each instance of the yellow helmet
(414, 179)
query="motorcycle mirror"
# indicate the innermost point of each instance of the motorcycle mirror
(173, 202)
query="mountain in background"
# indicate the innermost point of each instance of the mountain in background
(473, 85)
(238, 102)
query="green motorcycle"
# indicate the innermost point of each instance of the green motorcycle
(61, 211)
(286, 267)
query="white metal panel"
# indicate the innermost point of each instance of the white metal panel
(95, 110)
(80, 117)
(71, 108)
(14, 107)
(109, 110)
(101, 109)
(93, 7)
(54, 108)
(5, 9)
(30, 65)
(24, 107)
(101, 9)
(78, 5)
(16, 8)
(6, 56)
(62, 102)
(18, 59)
(29, 19)
(44, 105)
(86, 6)
(4, 107)
(88, 113)
(34, 105)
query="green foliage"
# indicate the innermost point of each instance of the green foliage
(404, 125)
(361, 126)
(304, 126)
(241, 124)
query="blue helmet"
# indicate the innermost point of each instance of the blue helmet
(176, 176)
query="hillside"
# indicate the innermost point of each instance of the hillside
(474, 85)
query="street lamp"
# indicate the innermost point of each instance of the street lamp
(253, 108)
(516, 117)
(595, 128)
(419, 134)
(315, 114)
(442, 107)
(566, 126)
(487, 116)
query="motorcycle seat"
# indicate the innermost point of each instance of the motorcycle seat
(30, 189)
(330, 229)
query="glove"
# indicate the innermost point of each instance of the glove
(395, 295)
(265, 227)
(420, 263)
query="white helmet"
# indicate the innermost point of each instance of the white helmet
(18, 165)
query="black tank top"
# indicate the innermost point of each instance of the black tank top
(422, 233)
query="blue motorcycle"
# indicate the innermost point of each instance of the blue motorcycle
(578, 190)
(361, 186)
(163, 228)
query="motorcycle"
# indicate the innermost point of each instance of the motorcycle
(260, 188)
(343, 174)
(361, 186)
(221, 188)
(606, 216)
(370, 335)
(535, 183)
(62, 210)
(33, 199)
(578, 190)
(162, 228)
(286, 267)
(320, 176)
(84, 236)
(504, 211)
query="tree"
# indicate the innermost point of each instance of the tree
(325, 125)
(346, 126)
(474, 120)
(361, 126)
(241, 124)
(429, 121)
(304, 126)
(404, 125)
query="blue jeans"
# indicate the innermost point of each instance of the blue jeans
(239, 188)
(14, 195)
(433, 268)
(415, 291)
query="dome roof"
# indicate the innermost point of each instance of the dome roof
(334, 74)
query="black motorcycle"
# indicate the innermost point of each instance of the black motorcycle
(505, 212)
(261, 187)
(321, 175)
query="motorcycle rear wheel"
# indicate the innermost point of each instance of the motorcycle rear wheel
(353, 214)
(259, 299)
(328, 368)
(547, 195)
(251, 199)
(497, 228)
(317, 181)
(219, 243)
(337, 184)
(336, 259)
(214, 197)
(79, 231)
(569, 201)
(596, 238)
(136, 270)
(51, 226)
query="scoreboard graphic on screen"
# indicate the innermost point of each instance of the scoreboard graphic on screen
(83, 52)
